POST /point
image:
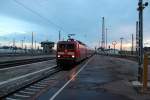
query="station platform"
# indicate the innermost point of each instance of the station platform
(99, 78)
(12, 58)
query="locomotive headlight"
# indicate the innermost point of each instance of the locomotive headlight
(58, 56)
(73, 56)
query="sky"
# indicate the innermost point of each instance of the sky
(19, 18)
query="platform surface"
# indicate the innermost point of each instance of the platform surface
(102, 78)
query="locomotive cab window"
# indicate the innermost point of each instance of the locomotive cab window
(61, 46)
(66, 46)
(70, 47)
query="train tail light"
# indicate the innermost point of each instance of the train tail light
(58, 56)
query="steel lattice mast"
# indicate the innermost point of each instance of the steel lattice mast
(103, 32)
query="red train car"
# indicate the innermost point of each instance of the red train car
(71, 51)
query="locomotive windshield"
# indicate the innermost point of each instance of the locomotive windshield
(66, 46)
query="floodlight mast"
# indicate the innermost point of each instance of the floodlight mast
(140, 9)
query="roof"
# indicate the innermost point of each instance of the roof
(47, 42)
(72, 40)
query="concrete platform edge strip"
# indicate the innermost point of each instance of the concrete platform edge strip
(60, 90)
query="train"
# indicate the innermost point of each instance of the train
(71, 52)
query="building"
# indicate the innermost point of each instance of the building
(47, 46)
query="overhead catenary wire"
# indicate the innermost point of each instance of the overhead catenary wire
(38, 14)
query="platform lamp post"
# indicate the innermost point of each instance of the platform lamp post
(140, 9)
(114, 44)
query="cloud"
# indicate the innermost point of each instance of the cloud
(45, 17)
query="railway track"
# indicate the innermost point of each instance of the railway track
(16, 54)
(31, 90)
(7, 64)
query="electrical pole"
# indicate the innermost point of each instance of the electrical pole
(32, 42)
(14, 42)
(106, 37)
(132, 48)
(141, 7)
(22, 44)
(137, 37)
(59, 35)
(103, 32)
(14, 45)
(35, 44)
(121, 39)
(114, 44)
(25, 48)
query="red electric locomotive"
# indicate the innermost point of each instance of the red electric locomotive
(71, 51)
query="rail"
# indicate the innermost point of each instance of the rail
(40, 76)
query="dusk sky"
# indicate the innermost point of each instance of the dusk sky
(19, 18)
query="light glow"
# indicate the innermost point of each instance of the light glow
(73, 56)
